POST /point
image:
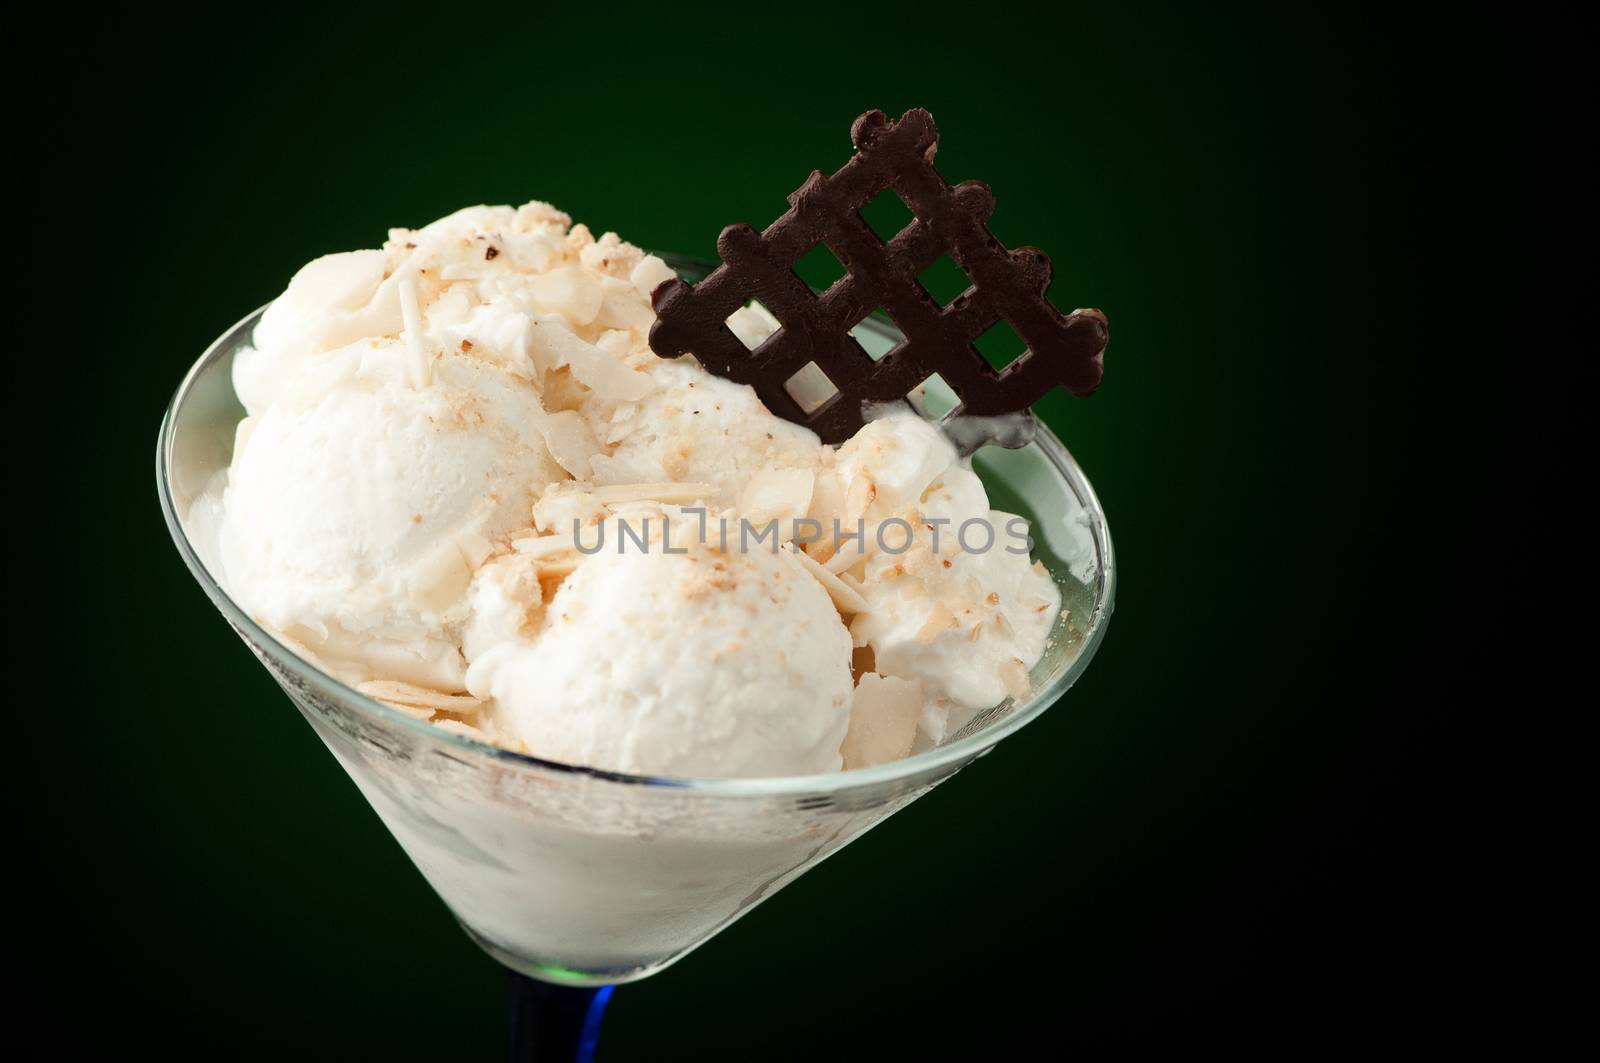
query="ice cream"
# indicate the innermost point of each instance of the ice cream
(439, 430)
(357, 509)
(700, 663)
(699, 428)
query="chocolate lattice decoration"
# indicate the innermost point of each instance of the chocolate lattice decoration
(1006, 285)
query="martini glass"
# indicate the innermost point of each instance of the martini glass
(578, 879)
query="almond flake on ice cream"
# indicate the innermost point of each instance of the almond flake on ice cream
(846, 598)
(407, 695)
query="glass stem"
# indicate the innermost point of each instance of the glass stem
(555, 1023)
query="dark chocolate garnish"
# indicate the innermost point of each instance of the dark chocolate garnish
(1006, 285)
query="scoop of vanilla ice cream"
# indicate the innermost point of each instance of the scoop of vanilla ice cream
(696, 664)
(693, 427)
(408, 405)
(697, 428)
(357, 510)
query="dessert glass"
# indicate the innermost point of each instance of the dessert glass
(581, 877)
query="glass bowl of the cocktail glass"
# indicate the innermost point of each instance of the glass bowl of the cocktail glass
(577, 877)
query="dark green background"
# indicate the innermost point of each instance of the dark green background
(1214, 835)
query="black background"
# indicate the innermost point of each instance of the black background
(1224, 834)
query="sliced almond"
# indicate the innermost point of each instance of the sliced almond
(860, 629)
(419, 366)
(846, 556)
(542, 546)
(845, 598)
(410, 695)
(412, 711)
(566, 507)
(670, 493)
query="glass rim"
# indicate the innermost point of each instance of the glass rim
(930, 761)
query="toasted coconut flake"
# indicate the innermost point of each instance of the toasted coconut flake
(777, 494)
(570, 442)
(649, 274)
(592, 367)
(670, 493)
(1014, 674)
(847, 600)
(569, 292)
(622, 307)
(858, 498)
(560, 390)
(395, 692)
(1038, 566)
